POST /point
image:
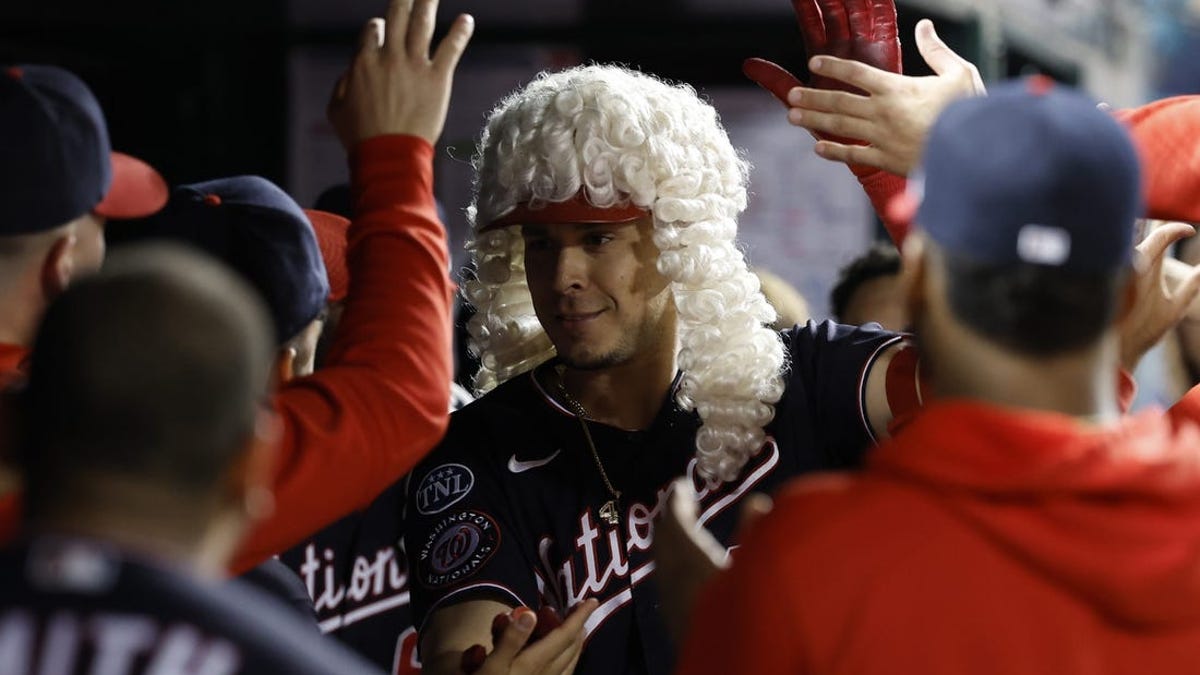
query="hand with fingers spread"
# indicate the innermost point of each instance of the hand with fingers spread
(531, 643)
(394, 86)
(895, 114)
(1160, 303)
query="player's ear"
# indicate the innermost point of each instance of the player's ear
(1128, 297)
(285, 365)
(249, 479)
(59, 265)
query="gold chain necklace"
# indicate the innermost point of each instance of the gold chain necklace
(610, 513)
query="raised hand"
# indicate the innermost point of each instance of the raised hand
(1161, 302)
(893, 115)
(394, 86)
(859, 30)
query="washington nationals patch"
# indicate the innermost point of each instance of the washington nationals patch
(457, 546)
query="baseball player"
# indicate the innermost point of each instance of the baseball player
(354, 570)
(146, 451)
(868, 289)
(1019, 524)
(62, 182)
(358, 425)
(255, 229)
(621, 335)
(887, 116)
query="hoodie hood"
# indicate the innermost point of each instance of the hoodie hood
(1110, 514)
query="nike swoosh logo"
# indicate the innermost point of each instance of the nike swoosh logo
(517, 466)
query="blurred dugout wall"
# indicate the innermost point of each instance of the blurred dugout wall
(236, 86)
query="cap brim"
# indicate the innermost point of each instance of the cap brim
(330, 229)
(137, 190)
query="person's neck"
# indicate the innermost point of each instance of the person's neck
(177, 540)
(19, 317)
(626, 396)
(1081, 384)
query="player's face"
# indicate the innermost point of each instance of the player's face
(597, 291)
(880, 300)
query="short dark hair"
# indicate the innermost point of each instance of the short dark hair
(881, 260)
(152, 371)
(1035, 310)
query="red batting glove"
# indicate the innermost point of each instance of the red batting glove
(861, 30)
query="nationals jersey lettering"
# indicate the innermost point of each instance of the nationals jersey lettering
(376, 584)
(73, 605)
(358, 578)
(553, 548)
(114, 643)
(603, 552)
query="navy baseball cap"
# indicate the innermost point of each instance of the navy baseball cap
(57, 163)
(254, 227)
(1031, 173)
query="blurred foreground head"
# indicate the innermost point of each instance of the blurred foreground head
(143, 408)
(1026, 203)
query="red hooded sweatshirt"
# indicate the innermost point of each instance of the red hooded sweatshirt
(979, 540)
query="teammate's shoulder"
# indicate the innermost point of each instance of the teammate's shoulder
(98, 578)
(269, 631)
(832, 331)
(820, 508)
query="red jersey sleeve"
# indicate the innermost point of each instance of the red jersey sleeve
(380, 403)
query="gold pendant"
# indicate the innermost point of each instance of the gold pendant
(609, 513)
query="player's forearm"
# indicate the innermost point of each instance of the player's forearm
(451, 630)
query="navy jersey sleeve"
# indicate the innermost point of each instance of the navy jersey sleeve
(821, 421)
(461, 535)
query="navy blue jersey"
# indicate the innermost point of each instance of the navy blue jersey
(507, 507)
(280, 582)
(72, 606)
(359, 582)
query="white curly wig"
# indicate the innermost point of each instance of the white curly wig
(623, 137)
